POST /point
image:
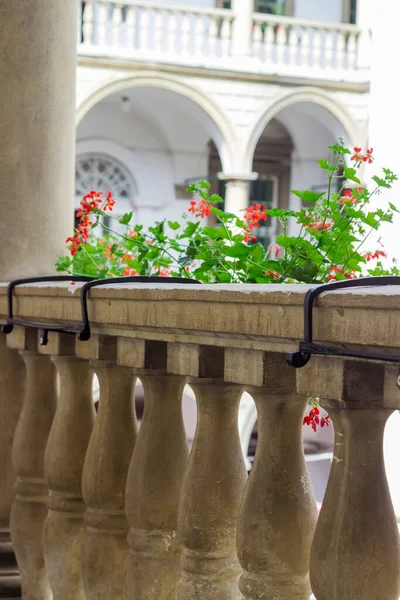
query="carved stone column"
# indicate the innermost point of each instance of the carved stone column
(104, 542)
(356, 549)
(155, 475)
(29, 508)
(215, 480)
(65, 455)
(278, 513)
(12, 388)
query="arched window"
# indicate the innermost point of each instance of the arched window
(102, 173)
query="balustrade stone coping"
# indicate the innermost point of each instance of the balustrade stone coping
(258, 317)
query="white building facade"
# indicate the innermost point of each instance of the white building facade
(169, 94)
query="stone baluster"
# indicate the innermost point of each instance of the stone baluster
(64, 458)
(131, 33)
(102, 25)
(356, 550)
(30, 504)
(155, 474)
(278, 513)
(281, 44)
(305, 47)
(316, 47)
(352, 51)
(329, 46)
(88, 23)
(104, 542)
(340, 52)
(213, 36)
(159, 30)
(293, 46)
(185, 32)
(257, 39)
(269, 43)
(116, 25)
(12, 388)
(146, 32)
(215, 479)
(199, 35)
(226, 36)
(172, 30)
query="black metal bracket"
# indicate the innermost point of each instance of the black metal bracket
(82, 329)
(85, 331)
(307, 347)
(44, 329)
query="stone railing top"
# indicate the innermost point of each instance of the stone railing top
(149, 5)
(264, 317)
(305, 23)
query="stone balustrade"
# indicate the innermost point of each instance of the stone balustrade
(198, 37)
(102, 510)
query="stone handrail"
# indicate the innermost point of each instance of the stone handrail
(131, 513)
(196, 36)
(288, 42)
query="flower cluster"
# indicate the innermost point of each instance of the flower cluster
(91, 203)
(349, 198)
(252, 217)
(375, 255)
(314, 420)
(201, 209)
(335, 270)
(319, 224)
(359, 156)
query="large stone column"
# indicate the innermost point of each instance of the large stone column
(37, 133)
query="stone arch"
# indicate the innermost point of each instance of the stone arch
(226, 140)
(307, 94)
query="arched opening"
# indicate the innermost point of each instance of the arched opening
(287, 148)
(161, 138)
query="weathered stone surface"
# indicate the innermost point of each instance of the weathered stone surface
(104, 542)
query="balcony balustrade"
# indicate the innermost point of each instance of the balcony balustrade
(103, 511)
(197, 37)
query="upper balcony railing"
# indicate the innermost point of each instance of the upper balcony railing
(197, 37)
(102, 512)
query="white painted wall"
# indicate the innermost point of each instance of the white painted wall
(160, 143)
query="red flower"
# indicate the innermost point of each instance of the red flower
(319, 224)
(348, 197)
(274, 249)
(359, 157)
(253, 215)
(375, 255)
(128, 272)
(335, 269)
(109, 202)
(313, 419)
(201, 209)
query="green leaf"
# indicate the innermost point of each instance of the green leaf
(339, 149)
(215, 233)
(350, 174)
(126, 219)
(222, 215)
(308, 195)
(381, 182)
(281, 213)
(239, 250)
(174, 225)
(204, 185)
(326, 166)
(216, 199)
(257, 252)
(189, 229)
(392, 206)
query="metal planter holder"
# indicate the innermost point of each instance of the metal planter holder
(82, 329)
(308, 348)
